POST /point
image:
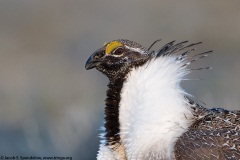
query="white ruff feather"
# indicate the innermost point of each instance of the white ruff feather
(152, 111)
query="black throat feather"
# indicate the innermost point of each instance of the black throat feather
(112, 111)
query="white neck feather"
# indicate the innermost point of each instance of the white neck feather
(153, 112)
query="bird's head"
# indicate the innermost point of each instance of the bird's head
(116, 58)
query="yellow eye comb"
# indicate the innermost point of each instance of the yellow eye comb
(111, 46)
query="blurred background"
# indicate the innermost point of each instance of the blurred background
(51, 106)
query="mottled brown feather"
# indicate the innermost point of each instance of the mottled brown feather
(215, 135)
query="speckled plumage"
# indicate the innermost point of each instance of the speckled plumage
(149, 116)
(215, 135)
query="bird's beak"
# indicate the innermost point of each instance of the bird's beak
(94, 60)
(91, 63)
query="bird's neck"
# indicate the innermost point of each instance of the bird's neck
(112, 111)
(113, 99)
(112, 146)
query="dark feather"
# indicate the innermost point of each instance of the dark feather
(158, 40)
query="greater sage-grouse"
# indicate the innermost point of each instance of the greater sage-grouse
(148, 116)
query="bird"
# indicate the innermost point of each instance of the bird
(149, 116)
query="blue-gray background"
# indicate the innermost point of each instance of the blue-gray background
(51, 106)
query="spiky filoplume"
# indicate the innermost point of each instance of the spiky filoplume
(149, 116)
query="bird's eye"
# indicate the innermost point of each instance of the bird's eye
(118, 51)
